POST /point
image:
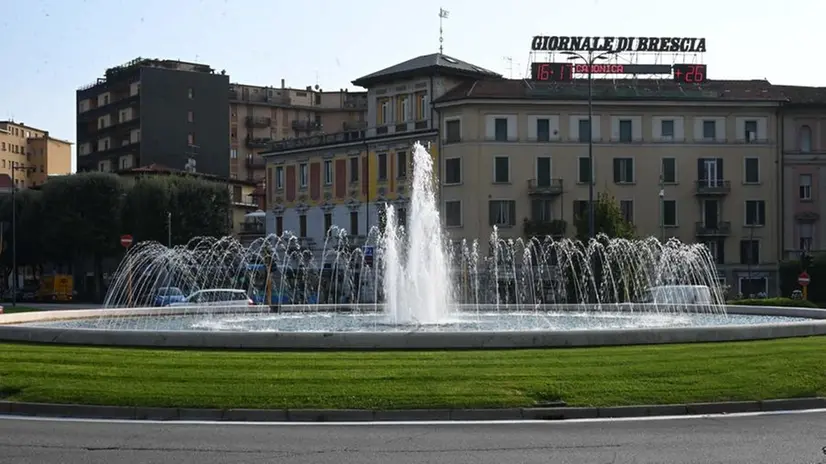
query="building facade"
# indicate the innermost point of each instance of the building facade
(700, 165)
(162, 112)
(260, 116)
(30, 155)
(346, 178)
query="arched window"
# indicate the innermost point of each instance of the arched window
(805, 139)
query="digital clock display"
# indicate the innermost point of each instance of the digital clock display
(552, 72)
(557, 72)
(690, 73)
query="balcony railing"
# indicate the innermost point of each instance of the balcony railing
(306, 125)
(253, 122)
(256, 162)
(355, 103)
(252, 228)
(542, 228)
(712, 187)
(545, 186)
(354, 125)
(721, 229)
(258, 142)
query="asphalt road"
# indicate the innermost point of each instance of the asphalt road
(771, 439)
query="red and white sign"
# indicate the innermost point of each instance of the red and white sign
(126, 241)
(803, 279)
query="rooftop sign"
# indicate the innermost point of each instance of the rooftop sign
(619, 44)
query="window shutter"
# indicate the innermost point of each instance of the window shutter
(761, 212)
(617, 167)
(492, 212)
(512, 213)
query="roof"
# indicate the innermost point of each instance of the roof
(803, 96)
(155, 168)
(426, 65)
(642, 89)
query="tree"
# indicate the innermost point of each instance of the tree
(198, 207)
(29, 221)
(608, 220)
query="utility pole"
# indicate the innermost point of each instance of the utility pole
(15, 167)
(169, 229)
(443, 14)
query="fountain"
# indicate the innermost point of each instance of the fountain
(417, 288)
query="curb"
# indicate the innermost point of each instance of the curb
(80, 411)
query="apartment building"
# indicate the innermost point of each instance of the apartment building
(30, 155)
(516, 153)
(149, 111)
(261, 115)
(804, 171)
(343, 178)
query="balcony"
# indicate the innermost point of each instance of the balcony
(304, 125)
(712, 187)
(257, 122)
(545, 187)
(541, 228)
(721, 229)
(355, 103)
(256, 162)
(258, 142)
(251, 228)
(354, 125)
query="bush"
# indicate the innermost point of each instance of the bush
(788, 302)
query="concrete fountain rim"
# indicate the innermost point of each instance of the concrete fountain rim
(11, 331)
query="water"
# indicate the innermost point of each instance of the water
(419, 277)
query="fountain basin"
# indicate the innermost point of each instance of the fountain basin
(357, 328)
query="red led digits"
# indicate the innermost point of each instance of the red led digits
(544, 72)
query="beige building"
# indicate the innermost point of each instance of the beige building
(515, 153)
(260, 116)
(31, 155)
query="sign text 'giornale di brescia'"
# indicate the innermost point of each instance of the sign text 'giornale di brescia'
(618, 44)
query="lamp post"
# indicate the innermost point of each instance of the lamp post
(15, 167)
(592, 57)
(662, 210)
(169, 229)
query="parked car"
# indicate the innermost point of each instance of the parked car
(216, 297)
(165, 296)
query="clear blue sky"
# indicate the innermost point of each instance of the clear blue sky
(51, 47)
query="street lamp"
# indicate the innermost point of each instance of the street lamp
(662, 210)
(592, 57)
(14, 169)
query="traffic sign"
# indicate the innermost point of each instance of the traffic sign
(126, 241)
(803, 279)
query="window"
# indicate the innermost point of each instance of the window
(805, 187)
(279, 225)
(382, 162)
(501, 169)
(623, 170)
(453, 131)
(421, 109)
(453, 171)
(542, 210)
(279, 177)
(749, 252)
(580, 208)
(401, 164)
(453, 213)
(627, 210)
(233, 154)
(543, 130)
(502, 213)
(384, 115)
(405, 109)
(354, 222)
(667, 129)
(805, 139)
(354, 169)
(709, 129)
(752, 171)
(190, 93)
(750, 131)
(401, 218)
(670, 213)
(584, 130)
(302, 175)
(585, 173)
(669, 170)
(753, 287)
(328, 222)
(302, 225)
(755, 213)
(190, 116)
(190, 139)
(543, 171)
(626, 131)
(328, 173)
(500, 127)
(805, 234)
(716, 248)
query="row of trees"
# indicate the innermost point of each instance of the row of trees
(83, 216)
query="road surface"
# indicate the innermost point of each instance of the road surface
(772, 439)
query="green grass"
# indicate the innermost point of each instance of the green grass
(434, 379)
(8, 309)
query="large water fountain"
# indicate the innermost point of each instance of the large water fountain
(416, 280)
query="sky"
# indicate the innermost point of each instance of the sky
(52, 47)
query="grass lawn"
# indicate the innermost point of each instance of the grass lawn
(8, 309)
(438, 379)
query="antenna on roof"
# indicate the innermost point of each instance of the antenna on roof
(443, 14)
(509, 60)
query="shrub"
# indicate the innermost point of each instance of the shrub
(788, 302)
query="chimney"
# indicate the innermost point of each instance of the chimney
(283, 84)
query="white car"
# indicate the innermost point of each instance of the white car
(216, 297)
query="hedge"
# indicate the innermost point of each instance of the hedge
(788, 302)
